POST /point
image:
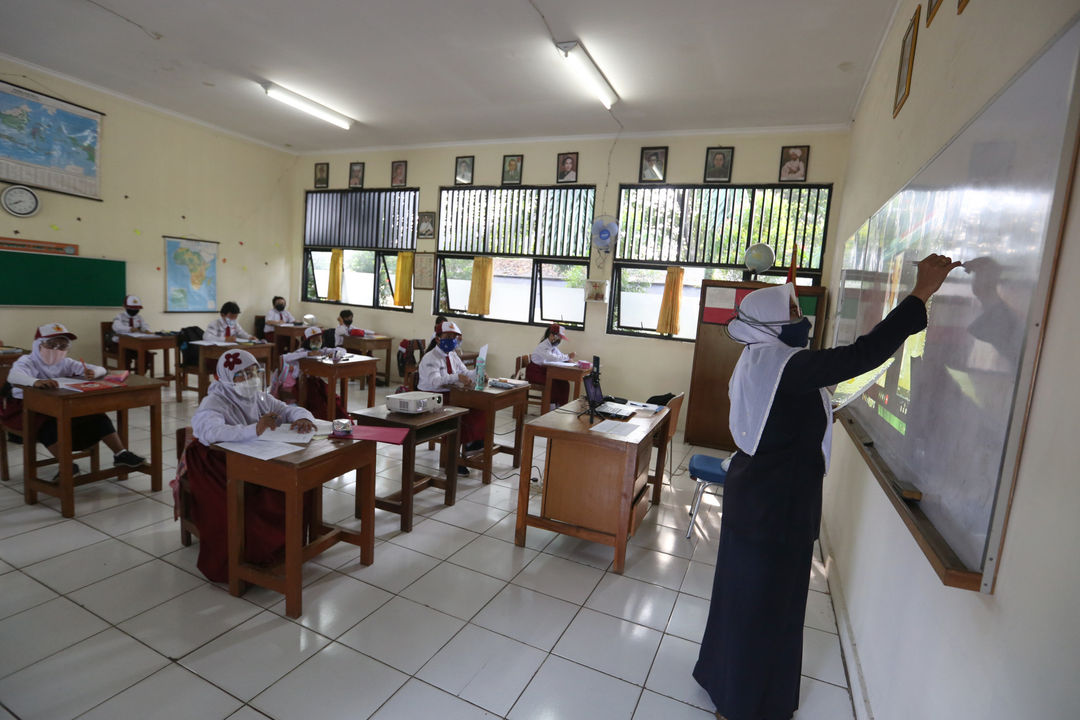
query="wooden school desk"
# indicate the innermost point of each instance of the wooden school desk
(295, 474)
(263, 352)
(595, 484)
(367, 345)
(445, 424)
(353, 366)
(561, 372)
(287, 337)
(66, 404)
(491, 400)
(140, 345)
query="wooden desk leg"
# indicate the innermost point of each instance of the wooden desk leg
(331, 399)
(545, 397)
(344, 397)
(408, 475)
(523, 493)
(658, 476)
(489, 445)
(301, 391)
(155, 446)
(450, 444)
(519, 424)
(577, 390)
(29, 456)
(294, 550)
(179, 380)
(140, 362)
(388, 352)
(371, 389)
(67, 486)
(122, 431)
(234, 520)
(365, 493)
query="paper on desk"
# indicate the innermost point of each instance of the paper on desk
(259, 449)
(560, 363)
(140, 335)
(613, 427)
(323, 427)
(203, 342)
(286, 434)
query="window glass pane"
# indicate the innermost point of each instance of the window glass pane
(358, 283)
(320, 275)
(455, 294)
(510, 289)
(640, 294)
(563, 296)
(386, 280)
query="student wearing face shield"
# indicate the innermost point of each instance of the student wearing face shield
(548, 352)
(781, 419)
(287, 381)
(439, 370)
(236, 409)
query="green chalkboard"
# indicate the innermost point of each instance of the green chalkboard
(36, 279)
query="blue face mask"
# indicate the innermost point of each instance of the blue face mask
(796, 334)
(449, 345)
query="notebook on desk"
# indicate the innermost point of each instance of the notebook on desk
(606, 409)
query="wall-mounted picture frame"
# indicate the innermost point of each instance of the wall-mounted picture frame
(322, 175)
(356, 175)
(794, 161)
(463, 169)
(718, 161)
(425, 225)
(907, 62)
(960, 5)
(398, 172)
(653, 166)
(511, 169)
(424, 271)
(932, 6)
(566, 167)
(596, 291)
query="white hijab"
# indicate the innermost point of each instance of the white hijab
(753, 385)
(223, 396)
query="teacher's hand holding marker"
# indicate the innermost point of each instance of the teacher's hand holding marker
(933, 269)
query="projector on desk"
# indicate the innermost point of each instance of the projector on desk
(413, 402)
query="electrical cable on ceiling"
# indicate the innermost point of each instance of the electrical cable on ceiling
(149, 33)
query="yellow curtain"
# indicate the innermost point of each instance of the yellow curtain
(403, 279)
(668, 322)
(483, 273)
(337, 267)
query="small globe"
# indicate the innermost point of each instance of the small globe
(759, 257)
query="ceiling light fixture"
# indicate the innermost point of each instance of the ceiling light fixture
(587, 72)
(309, 106)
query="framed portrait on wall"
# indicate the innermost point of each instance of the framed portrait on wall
(907, 62)
(718, 164)
(653, 164)
(932, 6)
(566, 167)
(511, 169)
(356, 175)
(322, 175)
(425, 225)
(398, 170)
(424, 271)
(794, 159)
(463, 169)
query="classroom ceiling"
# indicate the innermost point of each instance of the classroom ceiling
(418, 72)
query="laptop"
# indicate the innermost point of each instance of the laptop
(595, 396)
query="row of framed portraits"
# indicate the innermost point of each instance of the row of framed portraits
(653, 167)
(907, 49)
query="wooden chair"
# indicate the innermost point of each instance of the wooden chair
(536, 392)
(5, 470)
(260, 327)
(413, 353)
(674, 407)
(187, 525)
(109, 350)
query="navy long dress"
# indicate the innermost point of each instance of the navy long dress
(751, 653)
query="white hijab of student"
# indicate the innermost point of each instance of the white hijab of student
(238, 397)
(753, 385)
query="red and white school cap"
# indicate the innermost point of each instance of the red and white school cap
(132, 301)
(312, 332)
(557, 329)
(54, 330)
(449, 327)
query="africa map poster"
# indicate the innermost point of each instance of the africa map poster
(190, 275)
(49, 143)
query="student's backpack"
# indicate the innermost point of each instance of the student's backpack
(189, 353)
(660, 399)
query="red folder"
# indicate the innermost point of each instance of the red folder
(392, 435)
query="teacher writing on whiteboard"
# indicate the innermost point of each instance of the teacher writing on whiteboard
(751, 653)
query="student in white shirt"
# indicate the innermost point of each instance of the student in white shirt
(345, 328)
(277, 315)
(130, 322)
(441, 369)
(548, 352)
(286, 382)
(226, 328)
(46, 362)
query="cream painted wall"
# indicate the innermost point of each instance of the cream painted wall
(161, 175)
(633, 367)
(924, 650)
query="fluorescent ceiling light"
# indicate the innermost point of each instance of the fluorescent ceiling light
(309, 106)
(588, 73)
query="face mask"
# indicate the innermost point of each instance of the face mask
(279, 307)
(132, 311)
(555, 342)
(448, 345)
(230, 323)
(248, 388)
(316, 346)
(796, 334)
(51, 356)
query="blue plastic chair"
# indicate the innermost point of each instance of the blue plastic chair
(705, 470)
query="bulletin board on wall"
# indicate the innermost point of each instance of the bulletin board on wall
(47, 280)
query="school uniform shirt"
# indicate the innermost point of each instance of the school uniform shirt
(215, 331)
(341, 331)
(124, 324)
(439, 371)
(273, 316)
(225, 416)
(29, 368)
(546, 353)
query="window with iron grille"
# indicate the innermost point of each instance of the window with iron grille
(706, 229)
(370, 227)
(538, 238)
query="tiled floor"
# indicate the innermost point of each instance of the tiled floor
(106, 616)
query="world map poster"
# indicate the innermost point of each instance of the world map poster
(190, 275)
(49, 143)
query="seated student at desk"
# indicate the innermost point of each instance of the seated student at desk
(439, 370)
(277, 315)
(40, 368)
(129, 322)
(226, 328)
(548, 352)
(235, 409)
(287, 380)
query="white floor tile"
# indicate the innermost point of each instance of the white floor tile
(337, 682)
(671, 673)
(564, 579)
(586, 552)
(394, 568)
(434, 538)
(485, 668)
(128, 517)
(252, 656)
(653, 706)
(36, 545)
(610, 645)
(171, 693)
(131, 592)
(821, 658)
(526, 615)
(665, 539)
(819, 576)
(420, 700)
(633, 600)
(158, 539)
(247, 713)
(535, 538)
(182, 624)
(335, 602)
(497, 496)
(822, 701)
(819, 612)
(689, 617)
(655, 567)
(42, 630)
(87, 565)
(97, 496)
(402, 634)
(567, 691)
(25, 518)
(706, 549)
(471, 516)
(93, 670)
(454, 590)
(20, 592)
(699, 580)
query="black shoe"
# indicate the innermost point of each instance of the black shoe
(74, 471)
(127, 458)
(474, 445)
(462, 470)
